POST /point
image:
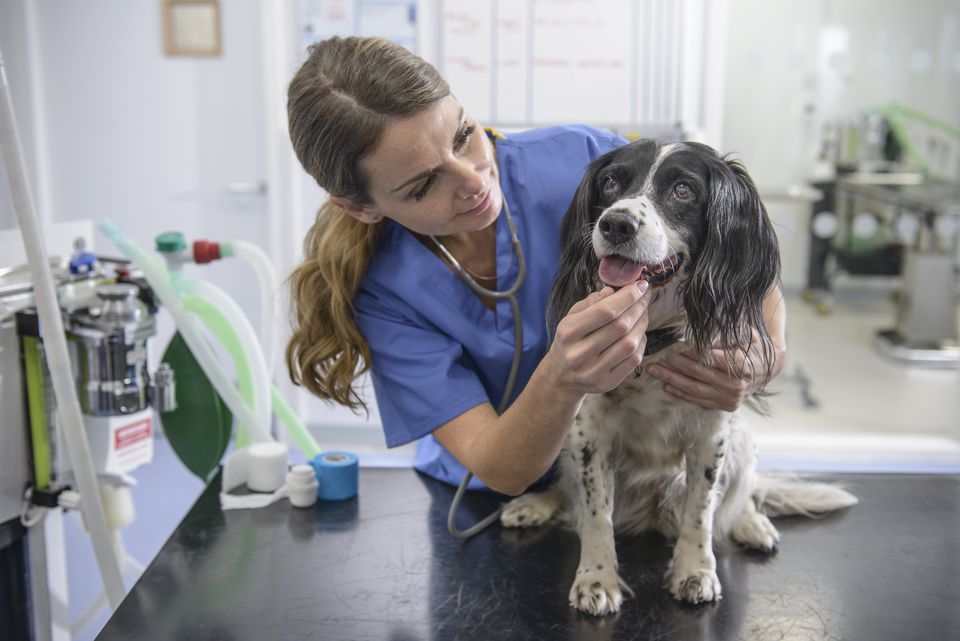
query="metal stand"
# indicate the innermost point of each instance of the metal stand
(926, 330)
(891, 344)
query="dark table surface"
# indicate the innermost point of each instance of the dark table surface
(382, 566)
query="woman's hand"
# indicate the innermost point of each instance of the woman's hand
(710, 384)
(600, 340)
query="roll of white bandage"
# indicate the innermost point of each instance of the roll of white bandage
(266, 466)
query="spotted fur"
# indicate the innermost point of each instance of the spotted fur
(638, 458)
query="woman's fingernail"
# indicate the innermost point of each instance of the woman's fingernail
(654, 371)
(642, 286)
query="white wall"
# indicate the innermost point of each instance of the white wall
(14, 27)
(143, 138)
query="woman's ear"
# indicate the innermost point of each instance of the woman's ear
(363, 213)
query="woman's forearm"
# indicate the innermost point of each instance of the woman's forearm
(596, 345)
(519, 446)
(775, 314)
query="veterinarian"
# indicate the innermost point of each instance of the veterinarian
(417, 188)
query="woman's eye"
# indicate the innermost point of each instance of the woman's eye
(464, 137)
(420, 193)
(683, 191)
(610, 185)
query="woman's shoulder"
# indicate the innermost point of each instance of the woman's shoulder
(548, 163)
(575, 135)
(395, 269)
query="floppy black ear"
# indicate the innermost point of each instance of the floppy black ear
(578, 267)
(738, 264)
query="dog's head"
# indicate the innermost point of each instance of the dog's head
(673, 213)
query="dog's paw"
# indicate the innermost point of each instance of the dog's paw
(698, 586)
(598, 592)
(528, 510)
(755, 530)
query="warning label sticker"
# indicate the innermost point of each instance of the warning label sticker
(132, 434)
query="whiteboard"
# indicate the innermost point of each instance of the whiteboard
(394, 20)
(622, 64)
(607, 62)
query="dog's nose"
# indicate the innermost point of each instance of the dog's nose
(618, 226)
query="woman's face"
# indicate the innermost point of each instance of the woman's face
(434, 173)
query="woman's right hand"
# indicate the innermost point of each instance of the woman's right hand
(601, 339)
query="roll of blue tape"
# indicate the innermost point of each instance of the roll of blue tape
(337, 475)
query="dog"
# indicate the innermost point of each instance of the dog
(691, 223)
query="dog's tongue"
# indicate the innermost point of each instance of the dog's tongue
(617, 271)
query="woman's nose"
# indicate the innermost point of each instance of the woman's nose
(472, 181)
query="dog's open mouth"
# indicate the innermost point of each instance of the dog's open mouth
(618, 271)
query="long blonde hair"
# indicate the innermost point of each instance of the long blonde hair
(338, 105)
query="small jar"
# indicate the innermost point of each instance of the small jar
(302, 485)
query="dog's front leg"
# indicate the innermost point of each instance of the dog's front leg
(692, 575)
(597, 588)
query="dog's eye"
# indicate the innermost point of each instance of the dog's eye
(683, 191)
(610, 185)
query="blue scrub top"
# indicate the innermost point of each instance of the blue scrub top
(436, 350)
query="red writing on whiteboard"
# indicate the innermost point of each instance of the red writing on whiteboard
(551, 62)
(466, 63)
(460, 22)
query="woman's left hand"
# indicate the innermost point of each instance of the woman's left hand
(709, 384)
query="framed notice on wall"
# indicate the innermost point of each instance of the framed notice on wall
(191, 27)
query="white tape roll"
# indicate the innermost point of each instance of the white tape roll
(266, 466)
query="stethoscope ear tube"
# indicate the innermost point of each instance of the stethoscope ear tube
(511, 295)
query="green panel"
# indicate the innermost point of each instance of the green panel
(199, 429)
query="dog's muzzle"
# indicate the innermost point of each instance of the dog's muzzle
(617, 226)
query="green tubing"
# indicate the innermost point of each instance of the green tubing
(295, 428)
(214, 319)
(919, 116)
(896, 116)
(217, 323)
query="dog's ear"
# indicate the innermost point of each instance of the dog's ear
(578, 263)
(739, 263)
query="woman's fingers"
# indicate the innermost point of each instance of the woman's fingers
(634, 346)
(601, 335)
(701, 384)
(590, 300)
(598, 310)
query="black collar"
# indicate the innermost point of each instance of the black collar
(658, 339)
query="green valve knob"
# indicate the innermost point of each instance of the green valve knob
(171, 242)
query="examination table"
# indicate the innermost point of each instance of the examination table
(382, 566)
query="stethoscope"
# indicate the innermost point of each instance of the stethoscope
(510, 294)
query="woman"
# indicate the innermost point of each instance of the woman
(407, 171)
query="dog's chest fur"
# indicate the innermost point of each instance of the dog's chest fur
(649, 428)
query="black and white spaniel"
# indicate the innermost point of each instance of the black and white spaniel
(691, 223)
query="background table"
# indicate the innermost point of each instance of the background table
(382, 566)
